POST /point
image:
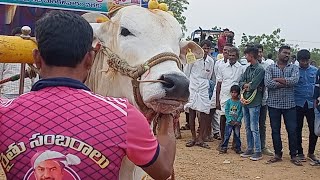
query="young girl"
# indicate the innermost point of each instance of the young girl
(233, 112)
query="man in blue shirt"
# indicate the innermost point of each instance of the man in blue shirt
(303, 92)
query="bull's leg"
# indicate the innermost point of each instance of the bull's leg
(177, 130)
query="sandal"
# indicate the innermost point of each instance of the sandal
(190, 143)
(216, 136)
(203, 145)
(273, 160)
(296, 162)
(209, 139)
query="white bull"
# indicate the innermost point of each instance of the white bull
(136, 35)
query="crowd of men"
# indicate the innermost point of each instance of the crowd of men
(225, 91)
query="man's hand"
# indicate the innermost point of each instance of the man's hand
(280, 80)
(246, 87)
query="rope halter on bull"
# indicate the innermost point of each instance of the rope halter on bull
(122, 66)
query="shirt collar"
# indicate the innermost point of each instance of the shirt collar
(60, 81)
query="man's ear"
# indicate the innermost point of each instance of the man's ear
(37, 58)
(89, 59)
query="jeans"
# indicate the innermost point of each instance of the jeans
(262, 125)
(317, 122)
(251, 119)
(309, 114)
(290, 121)
(236, 136)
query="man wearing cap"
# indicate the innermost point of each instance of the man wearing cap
(50, 164)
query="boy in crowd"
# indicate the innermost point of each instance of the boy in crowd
(233, 113)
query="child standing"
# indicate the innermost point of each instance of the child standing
(233, 113)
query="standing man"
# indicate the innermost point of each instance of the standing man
(222, 40)
(280, 80)
(303, 93)
(252, 84)
(216, 124)
(228, 75)
(200, 73)
(264, 108)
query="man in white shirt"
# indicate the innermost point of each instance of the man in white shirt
(200, 73)
(263, 109)
(228, 75)
(269, 59)
(216, 115)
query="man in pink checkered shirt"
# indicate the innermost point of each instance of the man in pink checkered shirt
(61, 130)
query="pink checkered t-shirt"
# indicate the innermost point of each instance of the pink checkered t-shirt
(71, 134)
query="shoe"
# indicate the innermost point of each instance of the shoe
(238, 151)
(313, 158)
(256, 156)
(296, 161)
(301, 158)
(223, 150)
(217, 136)
(267, 152)
(247, 154)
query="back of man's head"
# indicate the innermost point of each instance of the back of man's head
(63, 38)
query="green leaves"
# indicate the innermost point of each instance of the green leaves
(270, 42)
(178, 7)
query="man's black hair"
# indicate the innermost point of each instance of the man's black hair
(226, 29)
(259, 46)
(284, 47)
(206, 42)
(235, 88)
(252, 50)
(303, 55)
(269, 56)
(64, 38)
(16, 30)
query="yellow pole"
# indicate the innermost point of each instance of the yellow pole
(14, 49)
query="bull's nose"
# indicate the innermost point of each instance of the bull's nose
(176, 86)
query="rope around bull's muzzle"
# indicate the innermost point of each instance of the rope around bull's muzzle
(135, 72)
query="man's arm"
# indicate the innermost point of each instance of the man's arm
(258, 78)
(162, 168)
(218, 106)
(243, 82)
(154, 155)
(269, 82)
(294, 78)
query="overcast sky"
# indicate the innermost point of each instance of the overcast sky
(299, 20)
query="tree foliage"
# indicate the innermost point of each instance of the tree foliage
(270, 42)
(178, 7)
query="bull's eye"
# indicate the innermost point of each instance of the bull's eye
(125, 32)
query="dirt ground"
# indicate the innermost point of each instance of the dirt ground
(208, 164)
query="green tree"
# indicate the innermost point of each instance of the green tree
(178, 7)
(270, 42)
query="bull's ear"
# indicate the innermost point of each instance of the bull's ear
(195, 49)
